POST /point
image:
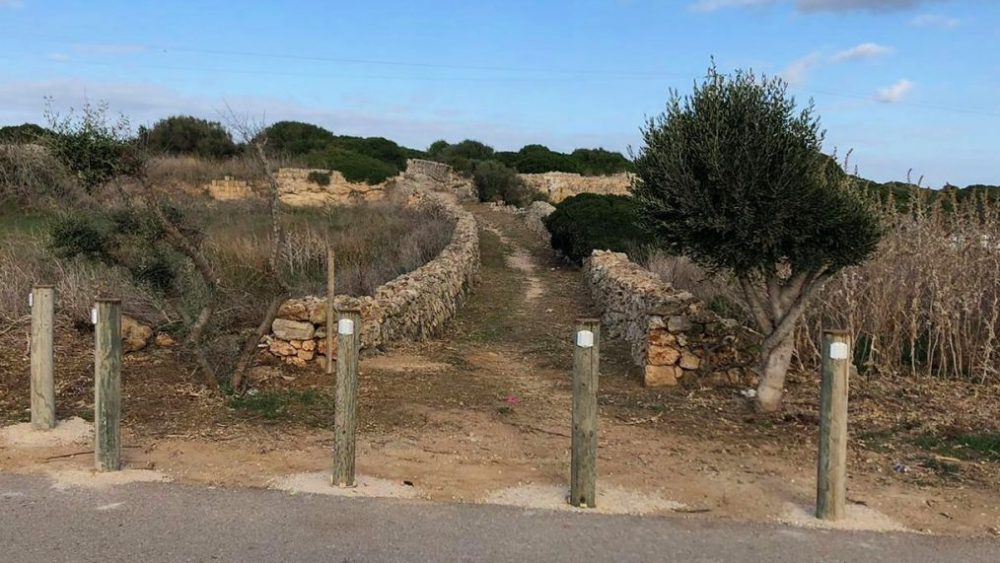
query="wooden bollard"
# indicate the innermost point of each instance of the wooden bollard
(586, 367)
(331, 308)
(107, 384)
(43, 383)
(345, 421)
(831, 480)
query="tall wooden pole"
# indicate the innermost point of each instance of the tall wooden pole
(331, 309)
(107, 385)
(345, 422)
(43, 384)
(831, 482)
(586, 367)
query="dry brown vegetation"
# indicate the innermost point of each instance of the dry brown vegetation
(926, 303)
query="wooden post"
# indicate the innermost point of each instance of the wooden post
(831, 482)
(345, 420)
(107, 385)
(331, 308)
(586, 367)
(43, 384)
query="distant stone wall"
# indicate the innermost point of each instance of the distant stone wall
(561, 185)
(297, 190)
(229, 189)
(412, 307)
(673, 336)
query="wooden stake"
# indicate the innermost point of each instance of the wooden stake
(43, 384)
(586, 367)
(831, 481)
(345, 420)
(331, 309)
(107, 385)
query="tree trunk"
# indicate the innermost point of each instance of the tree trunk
(246, 355)
(774, 366)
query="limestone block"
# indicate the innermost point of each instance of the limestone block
(286, 329)
(661, 376)
(689, 361)
(281, 348)
(663, 355)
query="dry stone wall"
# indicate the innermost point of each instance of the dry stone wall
(561, 185)
(673, 336)
(412, 307)
(297, 190)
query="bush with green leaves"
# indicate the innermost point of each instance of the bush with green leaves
(355, 167)
(319, 178)
(295, 138)
(732, 176)
(21, 134)
(495, 182)
(588, 222)
(463, 156)
(534, 159)
(92, 147)
(192, 136)
(600, 162)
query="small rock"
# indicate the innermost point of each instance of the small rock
(135, 335)
(308, 345)
(661, 376)
(689, 360)
(678, 323)
(306, 355)
(164, 340)
(662, 355)
(281, 348)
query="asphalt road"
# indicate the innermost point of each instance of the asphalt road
(168, 522)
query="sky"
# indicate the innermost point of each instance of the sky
(903, 84)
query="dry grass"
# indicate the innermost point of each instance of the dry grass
(926, 303)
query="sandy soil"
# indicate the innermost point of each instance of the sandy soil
(482, 415)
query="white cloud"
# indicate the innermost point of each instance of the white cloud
(795, 73)
(894, 93)
(935, 20)
(862, 51)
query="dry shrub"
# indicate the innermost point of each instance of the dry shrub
(928, 300)
(926, 303)
(26, 261)
(30, 177)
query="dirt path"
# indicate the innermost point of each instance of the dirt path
(482, 414)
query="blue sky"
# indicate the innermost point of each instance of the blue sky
(904, 83)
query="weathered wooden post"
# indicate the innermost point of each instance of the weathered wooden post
(831, 482)
(107, 384)
(43, 383)
(331, 309)
(586, 367)
(345, 420)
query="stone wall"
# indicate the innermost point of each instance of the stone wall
(229, 189)
(673, 336)
(561, 185)
(298, 190)
(412, 307)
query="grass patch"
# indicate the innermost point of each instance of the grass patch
(284, 405)
(972, 447)
(494, 317)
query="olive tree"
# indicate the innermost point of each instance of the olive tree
(732, 176)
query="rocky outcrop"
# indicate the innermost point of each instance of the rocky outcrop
(673, 336)
(412, 307)
(558, 186)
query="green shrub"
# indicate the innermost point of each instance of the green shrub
(355, 167)
(600, 162)
(496, 182)
(188, 135)
(24, 133)
(295, 138)
(319, 178)
(462, 157)
(535, 159)
(588, 222)
(378, 148)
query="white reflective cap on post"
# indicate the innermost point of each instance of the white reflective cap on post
(93, 315)
(585, 339)
(838, 351)
(31, 299)
(345, 326)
